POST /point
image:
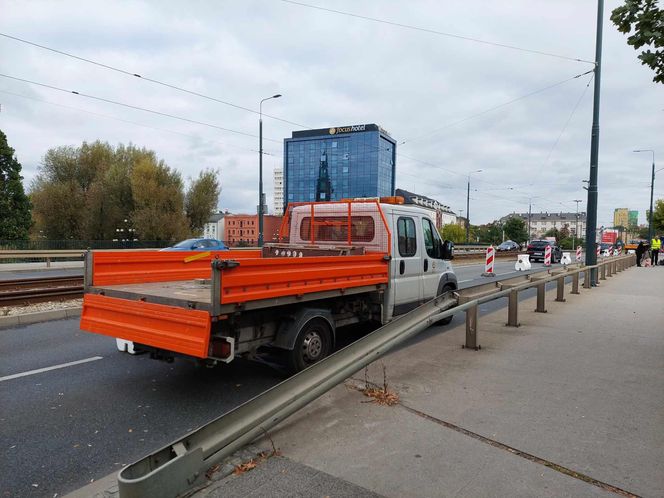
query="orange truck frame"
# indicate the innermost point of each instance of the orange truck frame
(214, 306)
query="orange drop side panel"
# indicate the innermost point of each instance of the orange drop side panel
(166, 327)
(134, 267)
(264, 278)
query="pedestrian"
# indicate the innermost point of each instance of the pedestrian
(655, 246)
(640, 250)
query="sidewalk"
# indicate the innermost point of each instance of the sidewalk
(569, 404)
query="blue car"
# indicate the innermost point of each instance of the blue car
(198, 245)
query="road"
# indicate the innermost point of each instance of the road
(94, 409)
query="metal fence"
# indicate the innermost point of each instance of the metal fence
(50, 245)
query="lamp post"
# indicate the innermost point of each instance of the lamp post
(652, 187)
(260, 168)
(576, 229)
(468, 207)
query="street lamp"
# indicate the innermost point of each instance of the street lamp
(576, 230)
(652, 186)
(468, 207)
(260, 168)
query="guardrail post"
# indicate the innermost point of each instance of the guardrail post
(617, 266)
(560, 289)
(604, 272)
(471, 325)
(587, 277)
(575, 283)
(541, 295)
(512, 306)
(48, 262)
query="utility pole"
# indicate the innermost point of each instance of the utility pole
(576, 229)
(530, 208)
(468, 207)
(591, 223)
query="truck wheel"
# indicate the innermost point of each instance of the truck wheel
(314, 342)
(448, 320)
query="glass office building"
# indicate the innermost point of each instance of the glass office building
(339, 163)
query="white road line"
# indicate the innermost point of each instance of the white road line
(55, 367)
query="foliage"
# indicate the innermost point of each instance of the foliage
(643, 21)
(201, 199)
(553, 232)
(658, 217)
(100, 192)
(515, 229)
(453, 232)
(491, 233)
(15, 206)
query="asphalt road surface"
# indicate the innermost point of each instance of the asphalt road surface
(75, 409)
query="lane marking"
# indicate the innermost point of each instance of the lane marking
(46, 369)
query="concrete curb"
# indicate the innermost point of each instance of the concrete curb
(39, 316)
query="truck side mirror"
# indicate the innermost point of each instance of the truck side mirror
(447, 250)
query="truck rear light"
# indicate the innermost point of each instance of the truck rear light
(222, 348)
(530, 246)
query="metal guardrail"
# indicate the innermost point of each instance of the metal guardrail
(182, 464)
(47, 255)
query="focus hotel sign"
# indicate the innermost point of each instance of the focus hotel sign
(339, 130)
(348, 129)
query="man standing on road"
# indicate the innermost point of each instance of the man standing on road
(655, 246)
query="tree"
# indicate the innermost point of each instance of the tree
(201, 199)
(92, 191)
(491, 233)
(646, 20)
(553, 232)
(658, 217)
(515, 229)
(15, 206)
(453, 232)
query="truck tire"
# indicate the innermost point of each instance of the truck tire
(313, 343)
(448, 320)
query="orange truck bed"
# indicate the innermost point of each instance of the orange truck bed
(168, 300)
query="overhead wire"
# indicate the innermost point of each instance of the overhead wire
(130, 106)
(436, 32)
(486, 111)
(145, 78)
(78, 109)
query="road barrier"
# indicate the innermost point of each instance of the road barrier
(523, 262)
(488, 265)
(566, 259)
(47, 255)
(547, 256)
(578, 254)
(181, 465)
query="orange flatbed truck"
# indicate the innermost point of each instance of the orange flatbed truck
(340, 263)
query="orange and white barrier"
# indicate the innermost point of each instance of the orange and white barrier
(598, 250)
(490, 258)
(578, 253)
(547, 256)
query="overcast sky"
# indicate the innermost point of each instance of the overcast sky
(435, 93)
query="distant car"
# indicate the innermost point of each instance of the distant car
(198, 245)
(536, 250)
(508, 245)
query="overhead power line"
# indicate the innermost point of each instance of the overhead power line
(145, 78)
(130, 106)
(499, 106)
(436, 32)
(78, 109)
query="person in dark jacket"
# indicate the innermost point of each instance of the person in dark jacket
(640, 250)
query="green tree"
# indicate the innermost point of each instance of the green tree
(88, 192)
(15, 219)
(158, 201)
(491, 233)
(658, 217)
(553, 232)
(453, 232)
(643, 21)
(515, 229)
(201, 199)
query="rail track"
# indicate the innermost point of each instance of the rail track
(38, 290)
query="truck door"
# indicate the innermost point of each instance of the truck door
(406, 265)
(432, 263)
